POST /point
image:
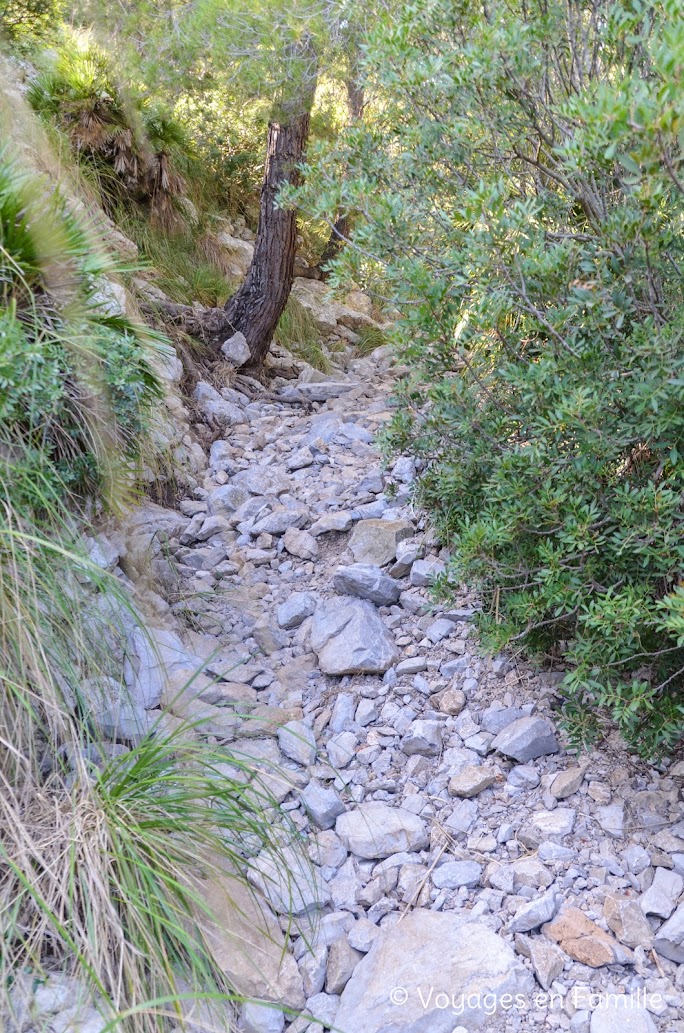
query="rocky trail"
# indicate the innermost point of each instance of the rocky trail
(466, 870)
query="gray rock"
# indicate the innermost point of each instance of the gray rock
(669, 940)
(463, 817)
(296, 608)
(344, 708)
(290, 884)
(429, 950)
(367, 582)
(412, 665)
(312, 966)
(612, 819)
(424, 738)
(524, 777)
(363, 935)
(454, 874)
(124, 721)
(548, 851)
(216, 409)
(496, 718)
(300, 459)
(322, 1007)
(559, 822)
(662, 895)
(375, 830)
(617, 1017)
(280, 519)
(349, 637)
(471, 780)
(261, 1018)
(439, 630)
(375, 541)
(315, 392)
(236, 350)
(340, 521)
(425, 572)
(526, 739)
(298, 742)
(322, 805)
(342, 960)
(566, 783)
(636, 858)
(300, 544)
(548, 961)
(531, 916)
(626, 919)
(341, 749)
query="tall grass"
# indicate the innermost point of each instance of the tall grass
(297, 331)
(102, 857)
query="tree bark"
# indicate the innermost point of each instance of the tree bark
(259, 303)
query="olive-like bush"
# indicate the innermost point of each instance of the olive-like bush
(520, 192)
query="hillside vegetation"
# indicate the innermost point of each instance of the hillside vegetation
(500, 191)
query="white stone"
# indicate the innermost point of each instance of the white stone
(236, 349)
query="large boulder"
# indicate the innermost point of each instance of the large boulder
(431, 973)
(313, 295)
(240, 252)
(349, 637)
(247, 943)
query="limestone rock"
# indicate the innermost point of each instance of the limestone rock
(375, 541)
(547, 962)
(290, 884)
(340, 521)
(626, 919)
(584, 941)
(424, 738)
(669, 940)
(298, 742)
(296, 608)
(247, 943)
(350, 638)
(567, 782)
(454, 874)
(614, 1017)
(375, 830)
(471, 780)
(531, 916)
(526, 739)
(281, 519)
(425, 572)
(342, 960)
(236, 350)
(429, 949)
(300, 544)
(322, 805)
(367, 582)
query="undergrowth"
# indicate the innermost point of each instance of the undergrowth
(104, 848)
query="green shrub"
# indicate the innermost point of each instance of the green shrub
(23, 22)
(523, 190)
(131, 144)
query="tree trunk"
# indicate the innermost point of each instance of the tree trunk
(259, 303)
